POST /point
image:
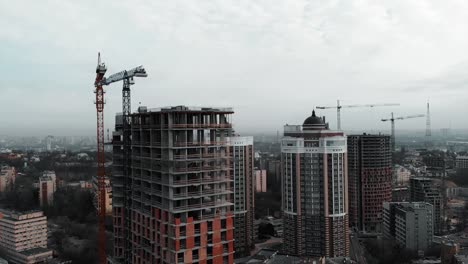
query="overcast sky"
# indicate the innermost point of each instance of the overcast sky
(273, 61)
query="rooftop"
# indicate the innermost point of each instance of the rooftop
(314, 122)
(15, 215)
(183, 108)
(411, 206)
(35, 251)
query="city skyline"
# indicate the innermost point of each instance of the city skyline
(251, 56)
(222, 132)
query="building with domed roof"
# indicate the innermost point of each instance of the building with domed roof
(314, 190)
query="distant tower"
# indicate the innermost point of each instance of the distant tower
(428, 122)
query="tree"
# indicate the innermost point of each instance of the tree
(266, 229)
(76, 204)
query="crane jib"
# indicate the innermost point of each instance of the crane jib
(135, 72)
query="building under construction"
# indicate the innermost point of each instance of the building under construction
(370, 180)
(180, 208)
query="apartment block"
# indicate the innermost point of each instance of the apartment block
(108, 193)
(7, 178)
(370, 180)
(461, 162)
(242, 151)
(424, 190)
(46, 191)
(53, 176)
(176, 205)
(314, 190)
(409, 223)
(260, 180)
(23, 237)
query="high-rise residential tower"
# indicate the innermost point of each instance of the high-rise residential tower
(314, 190)
(176, 206)
(370, 180)
(242, 151)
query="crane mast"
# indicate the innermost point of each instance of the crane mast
(101, 170)
(339, 106)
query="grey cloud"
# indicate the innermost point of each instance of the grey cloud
(266, 60)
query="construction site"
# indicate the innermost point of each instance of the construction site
(183, 189)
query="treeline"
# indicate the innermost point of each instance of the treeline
(76, 204)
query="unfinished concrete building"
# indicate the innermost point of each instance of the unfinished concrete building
(423, 190)
(180, 189)
(370, 180)
(314, 190)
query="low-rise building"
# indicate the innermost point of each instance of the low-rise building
(23, 237)
(455, 191)
(400, 194)
(277, 224)
(461, 257)
(402, 175)
(409, 223)
(461, 162)
(270, 256)
(448, 251)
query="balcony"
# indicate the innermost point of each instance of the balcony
(201, 156)
(201, 193)
(199, 125)
(202, 180)
(203, 168)
(199, 144)
(199, 206)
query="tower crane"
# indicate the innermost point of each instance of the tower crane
(101, 160)
(338, 109)
(127, 77)
(392, 119)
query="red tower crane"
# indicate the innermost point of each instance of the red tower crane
(101, 171)
(127, 78)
